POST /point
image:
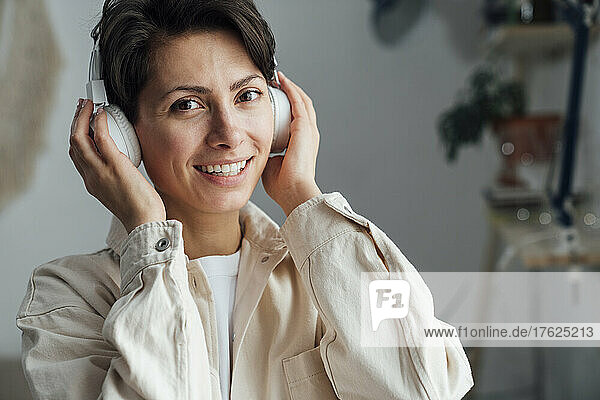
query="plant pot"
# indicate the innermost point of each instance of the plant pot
(524, 141)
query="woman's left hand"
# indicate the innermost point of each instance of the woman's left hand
(290, 179)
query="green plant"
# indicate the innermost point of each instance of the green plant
(487, 98)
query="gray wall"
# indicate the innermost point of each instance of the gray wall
(376, 109)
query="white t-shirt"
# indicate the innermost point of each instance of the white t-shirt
(222, 274)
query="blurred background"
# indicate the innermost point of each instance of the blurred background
(445, 122)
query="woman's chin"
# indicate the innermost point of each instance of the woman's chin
(225, 202)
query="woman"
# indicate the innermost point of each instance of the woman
(147, 317)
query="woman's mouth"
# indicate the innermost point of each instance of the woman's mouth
(225, 174)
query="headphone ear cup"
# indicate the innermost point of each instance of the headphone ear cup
(282, 117)
(123, 134)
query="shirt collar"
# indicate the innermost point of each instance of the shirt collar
(257, 227)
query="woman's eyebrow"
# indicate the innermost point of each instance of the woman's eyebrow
(203, 90)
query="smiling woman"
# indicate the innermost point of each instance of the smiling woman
(199, 294)
(206, 105)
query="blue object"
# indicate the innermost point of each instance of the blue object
(579, 14)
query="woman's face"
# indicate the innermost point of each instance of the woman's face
(205, 104)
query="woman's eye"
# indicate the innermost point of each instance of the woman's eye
(245, 98)
(185, 105)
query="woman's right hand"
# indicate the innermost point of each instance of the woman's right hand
(108, 174)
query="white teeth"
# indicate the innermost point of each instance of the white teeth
(225, 169)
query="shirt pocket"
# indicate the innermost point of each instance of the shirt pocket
(306, 376)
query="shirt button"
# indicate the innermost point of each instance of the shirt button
(264, 259)
(162, 244)
(233, 336)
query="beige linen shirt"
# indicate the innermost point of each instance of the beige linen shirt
(134, 321)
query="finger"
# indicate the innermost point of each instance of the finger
(77, 162)
(296, 100)
(106, 144)
(81, 140)
(308, 103)
(87, 176)
(76, 115)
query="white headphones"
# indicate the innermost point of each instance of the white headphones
(123, 132)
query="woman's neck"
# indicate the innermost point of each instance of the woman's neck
(209, 234)
(212, 234)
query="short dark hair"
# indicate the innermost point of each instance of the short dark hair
(129, 31)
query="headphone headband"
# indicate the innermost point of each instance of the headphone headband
(95, 86)
(275, 72)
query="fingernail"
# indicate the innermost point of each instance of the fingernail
(83, 104)
(100, 111)
(79, 102)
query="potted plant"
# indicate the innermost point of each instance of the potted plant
(490, 101)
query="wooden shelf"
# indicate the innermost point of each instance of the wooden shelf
(533, 41)
(520, 235)
(501, 197)
(546, 253)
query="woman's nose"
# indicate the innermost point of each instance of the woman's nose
(225, 130)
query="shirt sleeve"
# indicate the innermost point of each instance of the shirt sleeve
(151, 344)
(332, 246)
